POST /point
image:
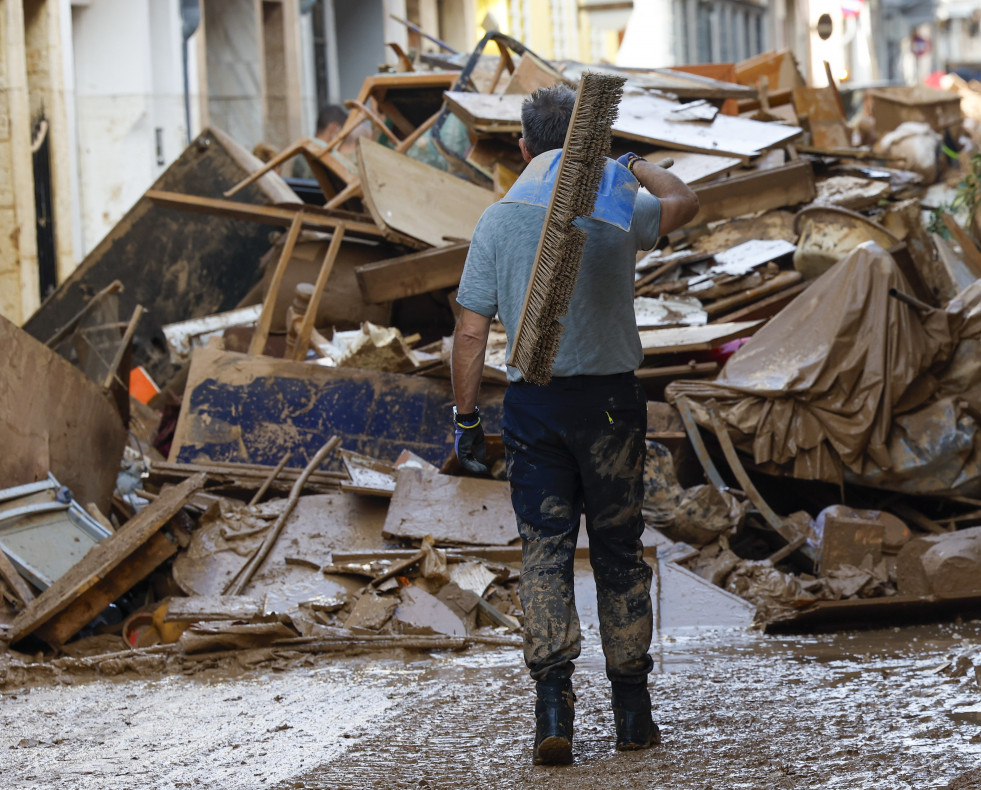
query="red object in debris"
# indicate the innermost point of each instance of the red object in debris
(726, 350)
(141, 386)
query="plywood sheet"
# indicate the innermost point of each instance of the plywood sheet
(253, 409)
(694, 168)
(412, 199)
(694, 338)
(55, 420)
(453, 510)
(644, 118)
(177, 265)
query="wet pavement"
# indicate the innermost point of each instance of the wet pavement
(898, 708)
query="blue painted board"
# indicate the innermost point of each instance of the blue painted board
(252, 409)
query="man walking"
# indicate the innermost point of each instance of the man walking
(575, 446)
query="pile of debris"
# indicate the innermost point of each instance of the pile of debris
(221, 439)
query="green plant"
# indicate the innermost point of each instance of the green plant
(967, 198)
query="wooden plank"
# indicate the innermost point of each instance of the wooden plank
(779, 67)
(178, 266)
(765, 308)
(820, 106)
(824, 616)
(17, 584)
(205, 608)
(722, 72)
(413, 274)
(261, 334)
(969, 250)
(682, 82)
(647, 118)
(253, 409)
(692, 167)
(694, 338)
(410, 199)
(763, 190)
(103, 558)
(644, 118)
(118, 581)
(310, 314)
(55, 420)
(322, 220)
(454, 510)
(774, 285)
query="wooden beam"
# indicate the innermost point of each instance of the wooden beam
(261, 333)
(313, 219)
(758, 191)
(766, 308)
(18, 586)
(694, 338)
(101, 560)
(310, 315)
(969, 250)
(777, 284)
(413, 274)
(120, 580)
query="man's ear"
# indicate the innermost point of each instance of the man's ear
(525, 153)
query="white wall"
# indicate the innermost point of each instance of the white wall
(647, 42)
(128, 83)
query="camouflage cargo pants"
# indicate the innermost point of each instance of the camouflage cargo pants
(577, 447)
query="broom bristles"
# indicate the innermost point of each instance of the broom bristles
(561, 246)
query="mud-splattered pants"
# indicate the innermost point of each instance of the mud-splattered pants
(577, 447)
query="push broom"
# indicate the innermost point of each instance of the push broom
(561, 245)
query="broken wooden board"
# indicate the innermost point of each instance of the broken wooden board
(779, 67)
(822, 110)
(252, 409)
(413, 274)
(830, 616)
(789, 185)
(207, 608)
(644, 118)
(55, 420)
(893, 105)
(415, 203)
(763, 309)
(454, 510)
(291, 573)
(92, 584)
(178, 266)
(694, 168)
(686, 83)
(694, 338)
(342, 305)
(282, 215)
(721, 72)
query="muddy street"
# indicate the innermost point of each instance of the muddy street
(896, 708)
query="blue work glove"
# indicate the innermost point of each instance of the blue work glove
(627, 160)
(469, 443)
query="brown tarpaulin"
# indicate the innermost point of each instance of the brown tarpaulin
(849, 382)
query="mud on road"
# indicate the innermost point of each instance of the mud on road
(898, 708)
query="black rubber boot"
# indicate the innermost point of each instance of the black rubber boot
(632, 717)
(554, 712)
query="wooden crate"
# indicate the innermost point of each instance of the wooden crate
(895, 105)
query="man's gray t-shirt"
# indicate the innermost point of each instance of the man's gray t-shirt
(600, 331)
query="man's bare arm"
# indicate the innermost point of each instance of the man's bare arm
(467, 360)
(679, 204)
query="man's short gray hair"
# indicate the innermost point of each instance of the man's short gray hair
(545, 118)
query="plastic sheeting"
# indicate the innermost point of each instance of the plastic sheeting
(849, 383)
